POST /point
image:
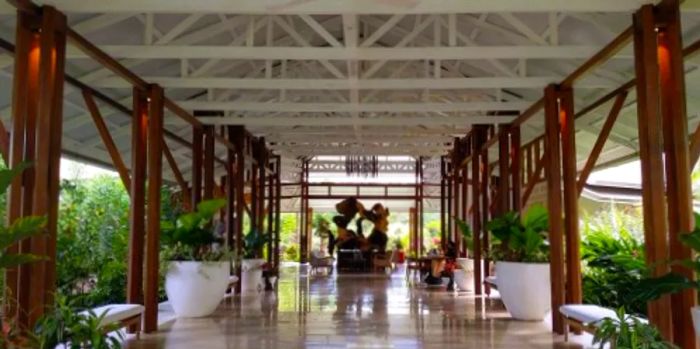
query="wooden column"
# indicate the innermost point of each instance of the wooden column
(37, 118)
(554, 193)
(230, 189)
(485, 205)
(574, 291)
(678, 168)
(420, 212)
(270, 216)
(443, 226)
(261, 184)
(255, 188)
(450, 197)
(503, 204)
(477, 140)
(208, 163)
(465, 199)
(304, 258)
(137, 208)
(237, 135)
(155, 181)
(197, 154)
(278, 209)
(515, 168)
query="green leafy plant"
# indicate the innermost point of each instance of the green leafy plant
(254, 242)
(613, 266)
(398, 244)
(22, 228)
(191, 236)
(467, 235)
(628, 332)
(651, 288)
(521, 239)
(63, 325)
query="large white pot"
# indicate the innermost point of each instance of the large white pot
(695, 312)
(465, 278)
(524, 289)
(195, 289)
(251, 274)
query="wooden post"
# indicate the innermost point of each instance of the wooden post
(485, 206)
(208, 163)
(303, 243)
(465, 201)
(420, 212)
(155, 181)
(197, 150)
(270, 216)
(651, 156)
(137, 208)
(443, 236)
(237, 135)
(554, 192)
(37, 118)
(678, 169)
(450, 196)
(574, 291)
(278, 209)
(477, 140)
(516, 168)
(230, 186)
(503, 203)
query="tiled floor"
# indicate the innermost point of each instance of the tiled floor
(354, 311)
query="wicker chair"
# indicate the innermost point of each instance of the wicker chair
(318, 261)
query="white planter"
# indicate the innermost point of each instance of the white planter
(251, 275)
(466, 278)
(525, 289)
(695, 312)
(195, 289)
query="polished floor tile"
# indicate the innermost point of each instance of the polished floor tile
(354, 312)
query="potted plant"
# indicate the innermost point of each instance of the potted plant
(521, 252)
(197, 270)
(252, 265)
(464, 275)
(628, 332)
(651, 288)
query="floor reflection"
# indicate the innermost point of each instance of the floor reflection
(353, 311)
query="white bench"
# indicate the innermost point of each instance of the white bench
(586, 317)
(122, 314)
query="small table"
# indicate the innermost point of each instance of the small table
(424, 265)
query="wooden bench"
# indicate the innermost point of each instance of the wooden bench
(585, 317)
(125, 315)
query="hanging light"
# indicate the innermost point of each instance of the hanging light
(364, 166)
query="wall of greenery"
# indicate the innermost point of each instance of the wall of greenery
(93, 237)
(612, 250)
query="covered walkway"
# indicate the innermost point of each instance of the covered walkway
(355, 311)
(493, 106)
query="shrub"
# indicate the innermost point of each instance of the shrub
(291, 253)
(613, 263)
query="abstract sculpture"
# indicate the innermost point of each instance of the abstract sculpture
(348, 209)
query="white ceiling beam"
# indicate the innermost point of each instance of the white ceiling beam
(253, 121)
(353, 107)
(523, 28)
(346, 84)
(345, 53)
(179, 28)
(320, 30)
(377, 34)
(303, 42)
(343, 6)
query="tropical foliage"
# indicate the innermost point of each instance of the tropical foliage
(20, 229)
(254, 242)
(654, 287)
(613, 263)
(467, 235)
(192, 235)
(521, 238)
(628, 332)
